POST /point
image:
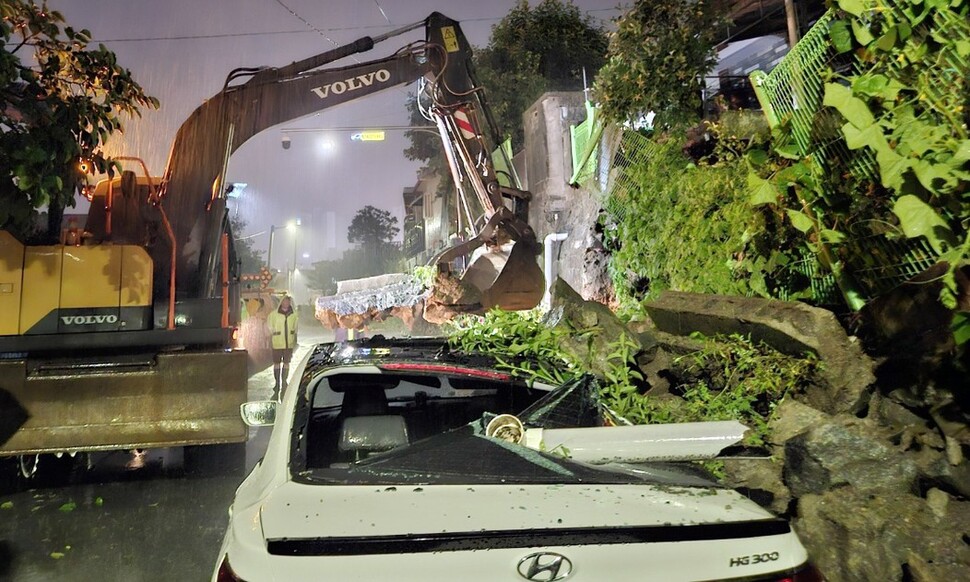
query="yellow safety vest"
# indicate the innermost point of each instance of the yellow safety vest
(283, 328)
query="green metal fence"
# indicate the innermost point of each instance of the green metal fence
(603, 156)
(792, 92)
(877, 255)
(585, 145)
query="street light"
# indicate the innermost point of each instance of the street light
(290, 226)
(269, 252)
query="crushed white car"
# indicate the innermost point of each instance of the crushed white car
(403, 460)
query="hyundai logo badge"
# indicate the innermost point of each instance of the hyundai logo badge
(545, 567)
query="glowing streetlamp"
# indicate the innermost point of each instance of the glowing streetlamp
(290, 226)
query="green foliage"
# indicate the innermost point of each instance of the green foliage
(354, 264)
(425, 274)
(732, 377)
(911, 106)
(620, 389)
(371, 230)
(521, 343)
(729, 378)
(784, 190)
(902, 114)
(658, 57)
(426, 147)
(532, 50)
(684, 226)
(372, 227)
(59, 102)
(250, 260)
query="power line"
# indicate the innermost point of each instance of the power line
(201, 36)
(307, 22)
(311, 28)
(384, 14)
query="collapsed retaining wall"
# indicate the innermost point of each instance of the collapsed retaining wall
(876, 488)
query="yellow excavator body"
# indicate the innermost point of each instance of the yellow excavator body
(53, 289)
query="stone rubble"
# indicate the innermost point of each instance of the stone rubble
(872, 473)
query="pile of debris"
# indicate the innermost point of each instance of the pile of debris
(358, 302)
(869, 463)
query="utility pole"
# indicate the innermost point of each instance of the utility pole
(269, 251)
(792, 18)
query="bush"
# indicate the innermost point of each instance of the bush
(684, 226)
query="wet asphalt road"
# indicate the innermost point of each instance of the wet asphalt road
(111, 522)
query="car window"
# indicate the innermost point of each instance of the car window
(355, 415)
(371, 426)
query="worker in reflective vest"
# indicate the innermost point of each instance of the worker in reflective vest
(282, 325)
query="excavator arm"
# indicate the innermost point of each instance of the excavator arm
(193, 191)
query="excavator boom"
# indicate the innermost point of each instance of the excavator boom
(193, 190)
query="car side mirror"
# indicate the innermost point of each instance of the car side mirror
(259, 412)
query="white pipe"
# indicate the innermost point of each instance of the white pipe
(548, 268)
(639, 443)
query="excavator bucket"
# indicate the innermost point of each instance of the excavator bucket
(507, 276)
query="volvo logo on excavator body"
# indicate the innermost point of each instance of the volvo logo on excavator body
(352, 83)
(88, 319)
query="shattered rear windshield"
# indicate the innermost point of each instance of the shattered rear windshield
(398, 428)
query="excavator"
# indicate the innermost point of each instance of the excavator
(121, 336)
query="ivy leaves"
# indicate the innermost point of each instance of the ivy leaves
(901, 113)
(917, 218)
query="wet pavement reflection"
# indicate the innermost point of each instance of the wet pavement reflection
(123, 516)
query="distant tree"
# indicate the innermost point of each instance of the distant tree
(59, 102)
(425, 144)
(323, 275)
(372, 230)
(658, 57)
(426, 147)
(250, 259)
(355, 263)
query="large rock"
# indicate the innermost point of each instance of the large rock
(763, 480)
(760, 480)
(597, 284)
(598, 319)
(789, 327)
(894, 414)
(935, 468)
(846, 451)
(855, 535)
(791, 419)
